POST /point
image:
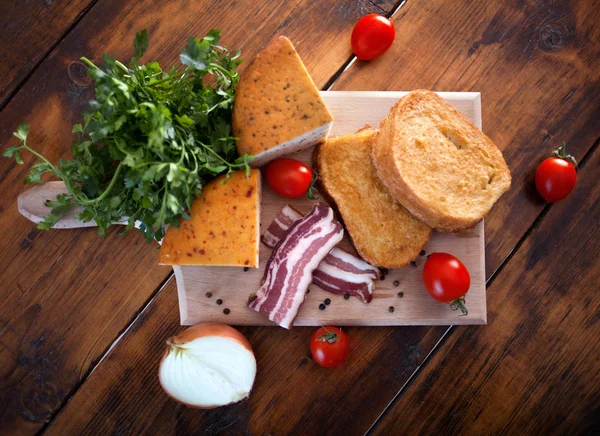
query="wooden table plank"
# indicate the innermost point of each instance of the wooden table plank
(350, 398)
(292, 394)
(68, 294)
(29, 32)
(534, 368)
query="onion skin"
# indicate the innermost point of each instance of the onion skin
(199, 331)
(209, 329)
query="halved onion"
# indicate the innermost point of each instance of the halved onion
(207, 366)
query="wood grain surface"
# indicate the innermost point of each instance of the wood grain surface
(68, 295)
(292, 394)
(536, 64)
(30, 30)
(535, 368)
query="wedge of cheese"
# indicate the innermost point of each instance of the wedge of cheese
(224, 226)
(278, 109)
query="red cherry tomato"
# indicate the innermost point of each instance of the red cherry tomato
(446, 279)
(372, 36)
(329, 346)
(288, 177)
(555, 178)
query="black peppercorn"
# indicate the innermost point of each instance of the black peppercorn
(246, 268)
(321, 306)
(396, 283)
(226, 311)
(209, 294)
(400, 294)
(422, 253)
(382, 278)
(327, 301)
(391, 309)
(346, 296)
(413, 264)
(219, 301)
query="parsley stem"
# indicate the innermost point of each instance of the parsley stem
(55, 169)
(88, 62)
(170, 77)
(89, 201)
(123, 67)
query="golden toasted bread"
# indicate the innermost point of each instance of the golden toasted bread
(436, 163)
(383, 232)
(278, 109)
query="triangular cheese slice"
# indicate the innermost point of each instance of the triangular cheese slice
(224, 226)
(278, 109)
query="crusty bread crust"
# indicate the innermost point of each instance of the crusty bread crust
(437, 164)
(276, 102)
(383, 232)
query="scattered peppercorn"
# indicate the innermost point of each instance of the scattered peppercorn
(413, 264)
(327, 301)
(391, 309)
(384, 271)
(382, 278)
(246, 268)
(321, 306)
(219, 301)
(226, 311)
(209, 294)
(346, 296)
(422, 253)
(396, 283)
(400, 294)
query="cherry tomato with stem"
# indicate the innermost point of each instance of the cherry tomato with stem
(447, 280)
(329, 346)
(372, 36)
(556, 176)
(288, 177)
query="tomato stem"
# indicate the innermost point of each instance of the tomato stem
(312, 189)
(561, 152)
(459, 303)
(330, 337)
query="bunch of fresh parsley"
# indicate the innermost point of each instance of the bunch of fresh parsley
(150, 140)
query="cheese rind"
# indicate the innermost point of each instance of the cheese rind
(276, 102)
(224, 226)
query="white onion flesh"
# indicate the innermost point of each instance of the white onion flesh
(208, 371)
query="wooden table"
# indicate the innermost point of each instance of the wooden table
(83, 319)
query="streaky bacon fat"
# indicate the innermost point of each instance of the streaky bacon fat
(340, 272)
(290, 268)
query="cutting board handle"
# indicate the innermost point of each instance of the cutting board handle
(32, 206)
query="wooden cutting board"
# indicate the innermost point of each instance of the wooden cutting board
(351, 111)
(402, 289)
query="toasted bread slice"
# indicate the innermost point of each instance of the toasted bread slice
(278, 108)
(383, 232)
(436, 163)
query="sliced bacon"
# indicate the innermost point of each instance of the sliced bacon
(280, 226)
(293, 260)
(340, 272)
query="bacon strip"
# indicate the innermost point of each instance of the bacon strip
(340, 272)
(293, 260)
(280, 226)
